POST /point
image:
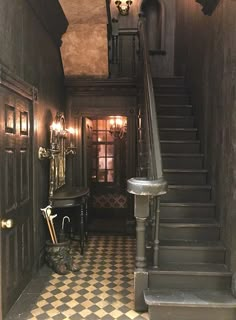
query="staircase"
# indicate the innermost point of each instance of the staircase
(193, 281)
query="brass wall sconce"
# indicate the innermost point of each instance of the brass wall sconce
(123, 7)
(118, 126)
(59, 135)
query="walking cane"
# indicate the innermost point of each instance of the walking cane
(47, 215)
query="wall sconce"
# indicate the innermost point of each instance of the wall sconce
(71, 148)
(123, 7)
(118, 127)
(58, 136)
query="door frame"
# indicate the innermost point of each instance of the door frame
(75, 117)
(13, 83)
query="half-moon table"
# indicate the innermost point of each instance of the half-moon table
(66, 197)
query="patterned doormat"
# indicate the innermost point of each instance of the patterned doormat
(102, 289)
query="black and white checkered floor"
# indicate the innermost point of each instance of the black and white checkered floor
(102, 289)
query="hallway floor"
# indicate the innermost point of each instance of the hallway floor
(102, 289)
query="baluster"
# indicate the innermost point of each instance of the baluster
(133, 56)
(141, 210)
(156, 239)
(120, 54)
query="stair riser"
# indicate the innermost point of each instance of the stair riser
(174, 111)
(170, 90)
(185, 147)
(172, 99)
(186, 313)
(192, 281)
(186, 195)
(187, 212)
(182, 162)
(187, 122)
(187, 255)
(190, 233)
(186, 178)
(169, 81)
(178, 135)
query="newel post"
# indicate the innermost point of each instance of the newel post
(142, 189)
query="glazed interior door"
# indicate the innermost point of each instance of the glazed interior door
(16, 196)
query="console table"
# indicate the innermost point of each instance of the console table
(66, 197)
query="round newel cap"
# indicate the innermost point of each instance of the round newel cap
(145, 187)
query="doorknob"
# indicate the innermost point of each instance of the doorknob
(7, 224)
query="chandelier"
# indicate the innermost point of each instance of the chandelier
(118, 126)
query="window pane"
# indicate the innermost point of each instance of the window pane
(102, 150)
(101, 176)
(102, 136)
(110, 163)
(102, 163)
(102, 125)
(110, 176)
(110, 150)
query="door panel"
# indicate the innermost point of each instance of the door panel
(16, 196)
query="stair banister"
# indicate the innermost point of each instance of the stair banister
(153, 185)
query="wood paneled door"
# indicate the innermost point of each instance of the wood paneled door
(16, 198)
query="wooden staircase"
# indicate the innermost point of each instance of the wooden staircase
(193, 281)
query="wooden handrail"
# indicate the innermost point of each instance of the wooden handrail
(150, 104)
(151, 184)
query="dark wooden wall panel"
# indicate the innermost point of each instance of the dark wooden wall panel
(10, 182)
(24, 175)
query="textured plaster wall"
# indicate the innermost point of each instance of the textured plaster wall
(84, 46)
(161, 65)
(28, 51)
(206, 54)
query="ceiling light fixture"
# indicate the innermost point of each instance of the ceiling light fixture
(118, 126)
(123, 6)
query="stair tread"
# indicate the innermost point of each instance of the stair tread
(190, 268)
(191, 298)
(188, 204)
(193, 244)
(182, 155)
(189, 186)
(179, 129)
(185, 171)
(181, 141)
(185, 222)
(175, 94)
(175, 105)
(175, 116)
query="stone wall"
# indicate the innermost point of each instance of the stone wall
(85, 45)
(206, 55)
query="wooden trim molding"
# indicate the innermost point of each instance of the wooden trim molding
(100, 87)
(208, 6)
(11, 81)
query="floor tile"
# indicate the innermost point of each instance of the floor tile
(102, 289)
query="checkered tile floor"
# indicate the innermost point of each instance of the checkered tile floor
(102, 289)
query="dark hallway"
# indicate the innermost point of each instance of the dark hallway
(117, 158)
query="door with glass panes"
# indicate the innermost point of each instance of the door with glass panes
(109, 162)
